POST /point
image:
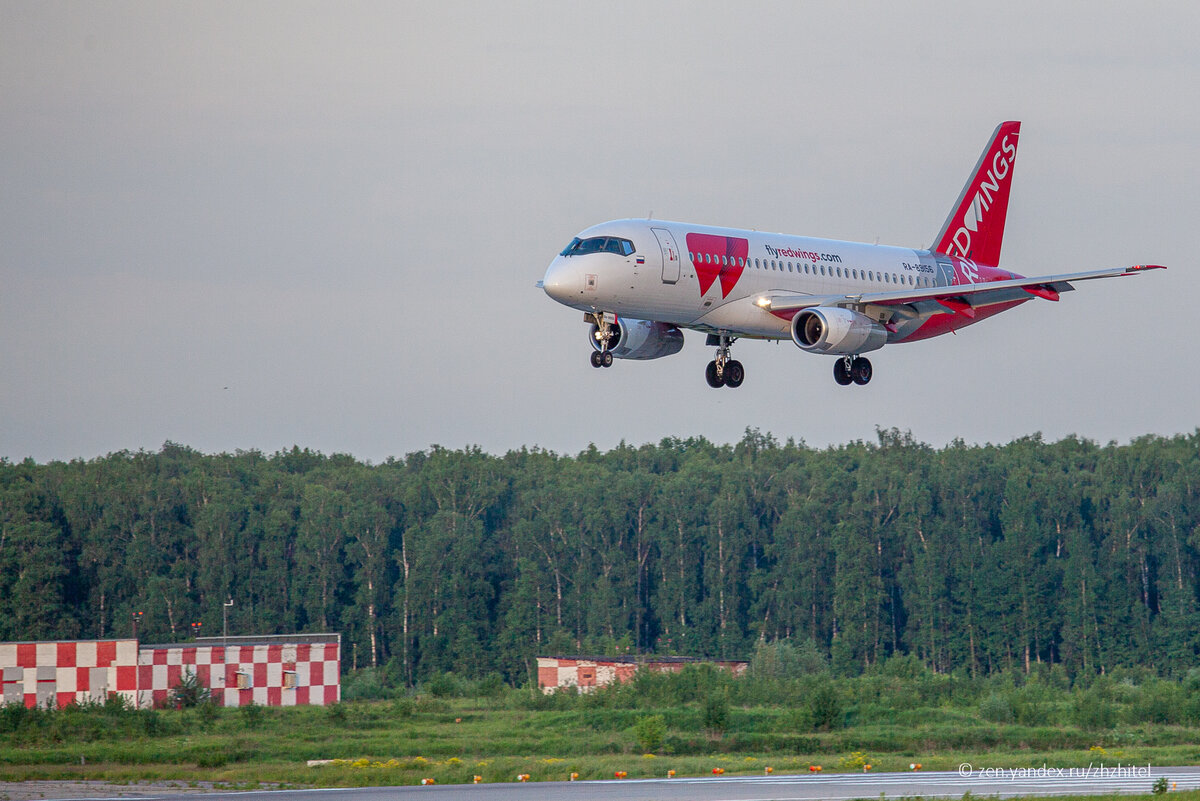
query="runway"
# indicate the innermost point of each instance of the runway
(1003, 783)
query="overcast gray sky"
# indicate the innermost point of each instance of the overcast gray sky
(252, 225)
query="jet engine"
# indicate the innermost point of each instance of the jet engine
(837, 331)
(640, 339)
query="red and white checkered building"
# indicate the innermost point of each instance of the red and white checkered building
(586, 673)
(268, 671)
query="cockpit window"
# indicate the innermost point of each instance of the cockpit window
(598, 244)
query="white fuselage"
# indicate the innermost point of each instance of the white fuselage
(708, 278)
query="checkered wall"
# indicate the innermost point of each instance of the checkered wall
(586, 674)
(62, 673)
(267, 675)
(40, 673)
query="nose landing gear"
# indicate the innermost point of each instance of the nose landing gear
(852, 369)
(723, 371)
(604, 334)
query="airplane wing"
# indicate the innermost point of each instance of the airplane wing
(958, 298)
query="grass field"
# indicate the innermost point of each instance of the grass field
(499, 737)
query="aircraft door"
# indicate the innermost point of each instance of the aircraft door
(670, 255)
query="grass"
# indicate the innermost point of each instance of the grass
(500, 737)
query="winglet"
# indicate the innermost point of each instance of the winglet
(1137, 268)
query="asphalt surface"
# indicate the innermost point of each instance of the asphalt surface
(1006, 783)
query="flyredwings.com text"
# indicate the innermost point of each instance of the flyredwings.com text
(803, 255)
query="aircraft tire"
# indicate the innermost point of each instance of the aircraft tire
(710, 375)
(735, 374)
(840, 374)
(606, 358)
(860, 371)
(597, 357)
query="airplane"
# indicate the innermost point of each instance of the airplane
(639, 282)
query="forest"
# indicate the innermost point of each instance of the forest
(972, 559)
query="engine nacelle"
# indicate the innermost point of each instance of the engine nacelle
(640, 339)
(832, 329)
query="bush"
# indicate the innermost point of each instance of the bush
(252, 715)
(1092, 710)
(368, 684)
(649, 732)
(444, 685)
(1159, 702)
(825, 707)
(207, 713)
(16, 715)
(996, 708)
(784, 659)
(716, 713)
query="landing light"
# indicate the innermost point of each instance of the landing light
(763, 303)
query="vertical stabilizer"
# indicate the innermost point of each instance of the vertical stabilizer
(975, 228)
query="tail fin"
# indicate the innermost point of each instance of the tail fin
(975, 227)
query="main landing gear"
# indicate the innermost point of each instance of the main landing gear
(604, 334)
(852, 369)
(723, 371)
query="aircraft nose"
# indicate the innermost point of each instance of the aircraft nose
(561, 281)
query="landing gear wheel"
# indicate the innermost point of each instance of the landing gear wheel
(597, 358)
(711, 376)
(606, 359)
(860, 371)
(734, 373)
(841, 373)
(723, 371)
